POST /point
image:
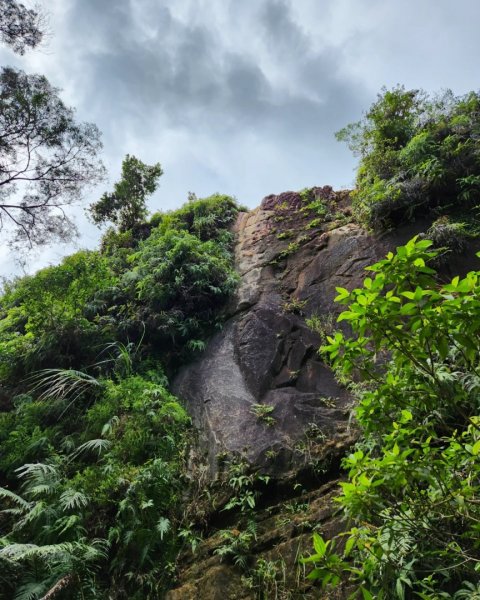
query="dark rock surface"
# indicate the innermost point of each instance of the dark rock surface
(266, 354)
(291, 257)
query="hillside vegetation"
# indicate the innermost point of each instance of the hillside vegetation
(94, 462)
(412, 360)
(93, 444)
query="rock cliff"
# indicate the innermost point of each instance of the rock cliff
(260, 393)
(266, 355)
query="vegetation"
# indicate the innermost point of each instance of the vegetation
(20, 27)
(263, 412)
(126, 206)
(93, 444)
(47, 158)
(413, 491)
(417, 155)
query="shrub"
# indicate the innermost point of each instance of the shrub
(417, 154)
(413, 491)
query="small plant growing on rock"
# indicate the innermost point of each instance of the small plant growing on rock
(328, 401)
(190, 536)
(324, 325)
(293, 375)
(236, 545)
(263, 412)
(315, 223)
(290, 249)
(267, 579)
(295, 306)
(271, 454)
(282, 206)
(448, 237)
(285, 235)
(242, 483)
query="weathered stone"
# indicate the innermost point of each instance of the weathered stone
(221, 582)
(266, 355)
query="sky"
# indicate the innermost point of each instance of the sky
(241, 97)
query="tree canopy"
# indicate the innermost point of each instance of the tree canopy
(126, 205)
(20, 27)
(418, 155)
(47, 159)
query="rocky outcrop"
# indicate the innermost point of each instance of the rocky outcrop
(261, 394)
(283, 535)
(290, 261)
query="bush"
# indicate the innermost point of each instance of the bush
(413, 489)
(417, 154)
(93, 444)
(43, 315)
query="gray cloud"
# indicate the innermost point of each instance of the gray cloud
(184, 76)
(244, 97)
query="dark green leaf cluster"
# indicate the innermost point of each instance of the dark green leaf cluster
(99, 467)
(172, 285)
(417, 155)
(126, 205)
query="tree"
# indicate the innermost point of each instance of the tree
(418, 155)
(126, 205)
(20, 27)
(46, 158)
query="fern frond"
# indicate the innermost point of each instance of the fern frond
(71, 499)
(60, 384)
(34, 469)
(30, 591)
(23, 504)
(163, 526)
(98, 445)
(66, 523)
(110, 425)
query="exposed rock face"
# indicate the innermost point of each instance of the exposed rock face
(290, 261)
(283, 535)
(266, 354)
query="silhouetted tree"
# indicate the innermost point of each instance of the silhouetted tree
(126, 205)
(20, 27)
(46, 158)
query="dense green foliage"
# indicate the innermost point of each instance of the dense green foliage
(413, 489)
(93, 444)
(418, 155)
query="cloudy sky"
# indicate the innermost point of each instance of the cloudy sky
(242, 96)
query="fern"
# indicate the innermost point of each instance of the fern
(31, 590)
(163, 526)
(71, 499)
(23, 504)
(59, 384)
(98, 445)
